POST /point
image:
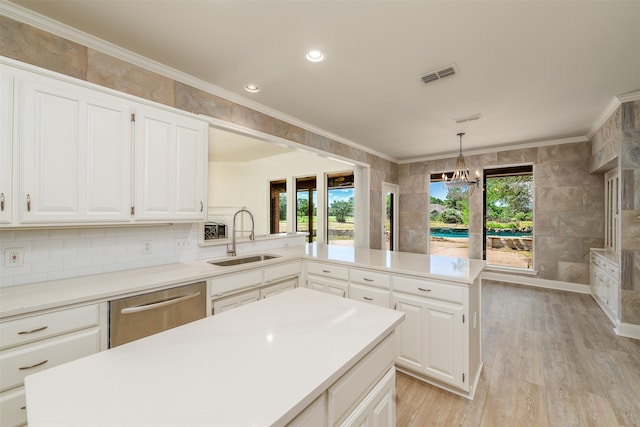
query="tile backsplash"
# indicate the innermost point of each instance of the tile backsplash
(60, 253)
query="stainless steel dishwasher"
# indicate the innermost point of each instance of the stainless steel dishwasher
(147, 314)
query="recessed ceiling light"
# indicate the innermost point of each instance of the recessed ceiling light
(316, 55)
(251, 88)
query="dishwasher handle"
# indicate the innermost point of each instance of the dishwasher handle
(154, 305)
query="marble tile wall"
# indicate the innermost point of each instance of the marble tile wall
(28, 44)
(629, 163)
(568, 211)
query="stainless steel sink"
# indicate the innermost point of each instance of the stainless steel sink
(243, 260)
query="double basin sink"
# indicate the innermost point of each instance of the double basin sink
(242, 260)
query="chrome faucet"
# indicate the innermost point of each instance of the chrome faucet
(252, 236)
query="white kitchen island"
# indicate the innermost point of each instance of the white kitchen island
(258, 365)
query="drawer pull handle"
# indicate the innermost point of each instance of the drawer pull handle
(368, 280)
(151, 306)
(368, 299)
(424, 290)
(326, 271)
(32, 331)
(24, 368)
(23, 407)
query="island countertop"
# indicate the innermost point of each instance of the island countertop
(257, 365)
(22, 299)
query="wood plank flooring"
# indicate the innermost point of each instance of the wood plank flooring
(551, 358)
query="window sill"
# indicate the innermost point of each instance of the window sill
(505, 269)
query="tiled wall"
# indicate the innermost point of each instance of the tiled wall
(28, 44)
(51, 254)
(629, 164)
(568, 215)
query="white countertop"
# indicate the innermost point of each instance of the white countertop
(22, 299)
(257, 365)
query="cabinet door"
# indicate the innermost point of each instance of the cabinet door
(378, 408)
(6, 144)
(235, 301)
(275, 289)
(444, 347)
(411, 333)
(170, 162)
(75, 153)
(331, 287)
(431, 339)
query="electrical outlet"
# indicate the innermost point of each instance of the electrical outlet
(182, 244)
(14, 257)
(146, 247)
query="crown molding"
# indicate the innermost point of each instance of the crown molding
(611, 108)
(26, 16)
(498, 148)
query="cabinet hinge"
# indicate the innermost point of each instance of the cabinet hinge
(133, 210)
(133, 117)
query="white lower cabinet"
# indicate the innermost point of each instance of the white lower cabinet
(328, 278)
(228, 303)
(605, 284)
(378, 408)
(237, 289)
(363, 396)
(35, 343)
(431, 339)
(314, 415)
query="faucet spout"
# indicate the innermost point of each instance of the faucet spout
(252, 236)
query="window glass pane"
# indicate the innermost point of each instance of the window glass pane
(340, 209)
(306, 207)
(508, 224)
(278, 207)
(448, 220)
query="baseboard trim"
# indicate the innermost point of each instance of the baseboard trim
(628, 330)
(537, 282)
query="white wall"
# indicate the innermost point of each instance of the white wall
(247, 184)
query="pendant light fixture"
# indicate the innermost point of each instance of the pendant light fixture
(461, 178)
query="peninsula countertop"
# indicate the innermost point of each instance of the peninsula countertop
(257, 365)
(22, 299)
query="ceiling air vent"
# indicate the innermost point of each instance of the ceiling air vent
(432, 76)
(468, 118)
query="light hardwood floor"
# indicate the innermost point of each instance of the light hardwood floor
(551, 358)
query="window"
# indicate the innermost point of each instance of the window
(340, 209)
(508, 213)
(306, 206)
(448, 219)
(278, 206)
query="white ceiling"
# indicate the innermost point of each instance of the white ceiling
(225, 146)
(534, 70)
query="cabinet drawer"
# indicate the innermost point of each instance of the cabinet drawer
(429, 289)
(13, 408)
(328, 270)
(29, 329)
(345, 393)
(17, 363)
(277, 272)
(234, 282)
(370, 295)
(370, 278)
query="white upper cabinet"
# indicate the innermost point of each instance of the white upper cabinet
(170, 166)
(75, 153)
(70, 153)
(6, 143)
